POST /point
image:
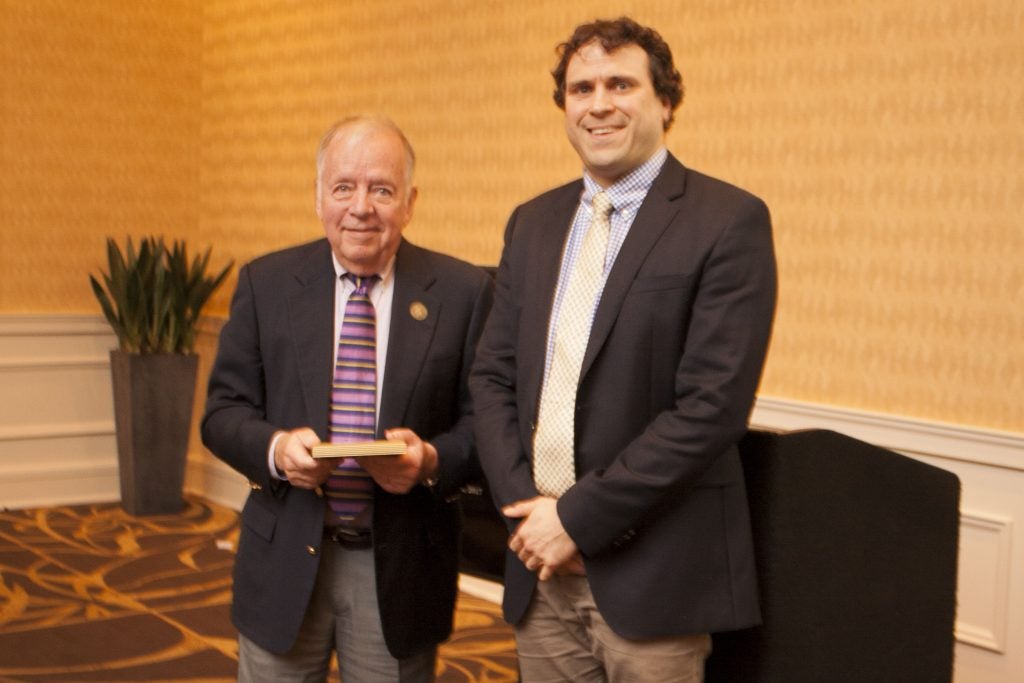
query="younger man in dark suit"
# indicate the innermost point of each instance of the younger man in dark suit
(614, 378)
(373, 574)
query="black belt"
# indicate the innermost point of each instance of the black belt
(351, 539)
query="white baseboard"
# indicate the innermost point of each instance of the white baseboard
(481, 588)
(213, 480)
(55, 484)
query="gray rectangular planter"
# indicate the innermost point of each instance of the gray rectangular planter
(153, 395)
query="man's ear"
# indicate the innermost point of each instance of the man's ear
(413, 194)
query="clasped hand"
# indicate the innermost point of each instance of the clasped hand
(394, 473)
(540, 541)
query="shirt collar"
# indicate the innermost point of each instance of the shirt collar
(385, 273)
(630, 189)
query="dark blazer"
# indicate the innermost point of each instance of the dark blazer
(273, 371)
(659, 509)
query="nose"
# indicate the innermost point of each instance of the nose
(361, 204)
(601, 103)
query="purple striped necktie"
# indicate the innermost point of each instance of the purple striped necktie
(349, 487)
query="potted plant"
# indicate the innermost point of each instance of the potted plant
(152, 297)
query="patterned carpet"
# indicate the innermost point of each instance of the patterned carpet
(90, 593)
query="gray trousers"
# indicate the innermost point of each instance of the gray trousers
(343, 617)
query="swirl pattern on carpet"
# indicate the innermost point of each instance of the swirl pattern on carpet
(91, 593)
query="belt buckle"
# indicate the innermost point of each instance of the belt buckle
(353, 539)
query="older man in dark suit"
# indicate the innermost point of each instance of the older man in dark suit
(358, 557)
(614, 378)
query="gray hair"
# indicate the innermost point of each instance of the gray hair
(363, 121)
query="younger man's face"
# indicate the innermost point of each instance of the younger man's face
(613, 117)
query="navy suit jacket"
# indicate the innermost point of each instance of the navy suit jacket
(273, 371)
(659, 509)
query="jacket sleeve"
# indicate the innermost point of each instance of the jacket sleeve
(458, 463)
(234, 425)
(493, 386)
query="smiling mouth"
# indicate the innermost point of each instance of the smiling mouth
(603, 130)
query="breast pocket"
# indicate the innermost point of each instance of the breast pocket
(661, 283)
(659, 306)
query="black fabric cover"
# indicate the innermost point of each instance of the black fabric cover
(484, 535)
(857, 559)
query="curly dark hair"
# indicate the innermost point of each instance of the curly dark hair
(613, 34)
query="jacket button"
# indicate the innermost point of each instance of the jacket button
(311, 550)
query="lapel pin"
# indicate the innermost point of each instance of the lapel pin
(418, 310)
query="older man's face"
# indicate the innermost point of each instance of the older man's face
(365, 198)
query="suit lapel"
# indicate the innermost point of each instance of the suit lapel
(540, 282)
(414, 316)
(311, 308)
(656, 213)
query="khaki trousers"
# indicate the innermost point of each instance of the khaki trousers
(564, 638)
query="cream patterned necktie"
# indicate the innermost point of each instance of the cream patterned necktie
(554, 469)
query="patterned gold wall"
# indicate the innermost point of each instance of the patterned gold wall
(99, 136)
(886, 135)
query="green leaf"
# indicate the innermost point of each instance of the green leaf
(152, 296)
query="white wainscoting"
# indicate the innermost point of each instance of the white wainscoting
(57, 440)
(57, 444)
(986, 545)
(57, 447)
